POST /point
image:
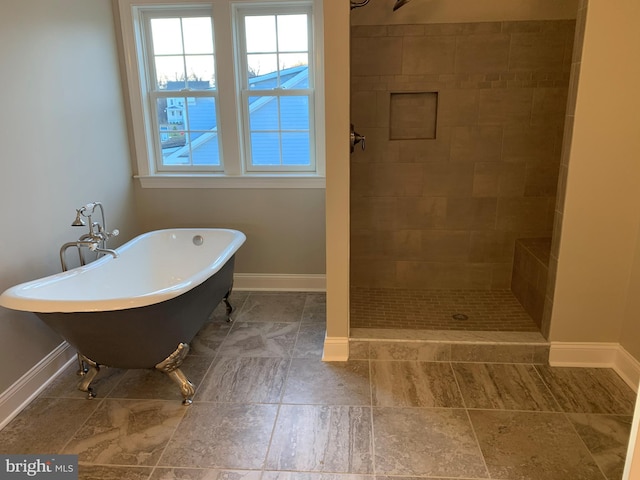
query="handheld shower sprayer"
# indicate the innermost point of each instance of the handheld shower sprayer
(78, 222)
(85, 211)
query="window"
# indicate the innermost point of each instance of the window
(181, 86)
(276, 91)
(224, 93)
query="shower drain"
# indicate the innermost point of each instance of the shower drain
(459, 316)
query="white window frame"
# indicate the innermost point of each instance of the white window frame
(230, 128)
(241, 11)
(149, 90)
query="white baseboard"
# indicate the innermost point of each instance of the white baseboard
(280, 282)
(27, 387)
(336, 349)
(597, 355)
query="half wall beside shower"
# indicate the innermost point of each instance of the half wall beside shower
(452, 202)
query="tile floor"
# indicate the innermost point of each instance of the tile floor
(267, 408)
(481, 310)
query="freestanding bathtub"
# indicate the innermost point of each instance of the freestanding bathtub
(139, 309)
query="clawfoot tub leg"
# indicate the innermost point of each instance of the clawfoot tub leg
(225, 299)
(171, 367)
(88, 370)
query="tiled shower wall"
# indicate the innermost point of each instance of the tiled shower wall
(444, 213)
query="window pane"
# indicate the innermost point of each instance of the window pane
(207, 153)
(294, 70)
(292, 33)
(188, 130)
(201, 113)
(170, 73)
(294, 112)
(167, 36)
(200, 72)
(260, 65)
(175, 150)
(265, 148)
(263, 113)
(260, 33)
(295, 149)
(198, 35)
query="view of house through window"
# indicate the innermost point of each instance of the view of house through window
(275, 103)
(276, 90)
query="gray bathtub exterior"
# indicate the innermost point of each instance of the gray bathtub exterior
(143, 337)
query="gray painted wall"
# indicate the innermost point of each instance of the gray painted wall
(63, 144)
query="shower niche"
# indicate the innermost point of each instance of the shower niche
(412, 115)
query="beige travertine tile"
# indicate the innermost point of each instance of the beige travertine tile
(428, 54)
(413, 115)
(524, 214)
(445, 245)
(421, 213)
(529, 144)
(364, 109)
(426, 316)
(373, 272)
(512, 454)
(328, 383)
(126, 432)
(606, 437)
(505, 106)
(458, 107)
(34, 432)
(537, 51)
(414, 384)
(442, 275)
(229, 436)
(104, 472)
(491, 246)
(503, 387)
(476, 144)
(322, 438)
(549, 106)
(244, 380)
(310, 341)
(588, 390)
(541, 180)
(266, 307)
(482, 53)
(261, 339)
(432, 150)
(491, 353)
(419, 351)
(426, 441)
(392, 180)
(386, 61)
(472, 213)
(446, 179)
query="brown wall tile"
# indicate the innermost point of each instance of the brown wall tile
(481, 143)
(376, 55)
(446, 212)
(483, 53)
(429, 54)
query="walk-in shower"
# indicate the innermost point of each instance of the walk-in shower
(453, 200)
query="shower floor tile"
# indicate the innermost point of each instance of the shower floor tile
(485, 310)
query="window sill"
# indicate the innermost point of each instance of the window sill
(228, 181)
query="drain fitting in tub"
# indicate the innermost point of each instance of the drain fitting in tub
(198, 240)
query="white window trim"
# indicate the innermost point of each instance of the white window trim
(233, 177)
